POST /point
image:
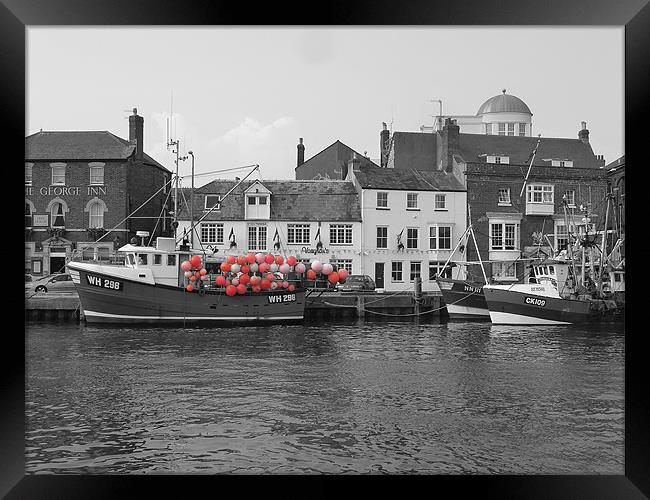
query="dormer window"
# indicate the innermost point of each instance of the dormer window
(561, 163)
(257, 203)
(500, 159)
(212, 200)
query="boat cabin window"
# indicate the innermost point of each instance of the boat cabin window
(130, 259)
(545, 270)
(617, 277)
(142, 259)
(157, 259)
(171, 260)
(551, 270)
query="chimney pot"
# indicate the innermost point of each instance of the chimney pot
(385, 127)
(584, 125)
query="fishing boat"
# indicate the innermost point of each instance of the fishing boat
(463, 298)
(567, 289)
(169, 283)
(150, 288)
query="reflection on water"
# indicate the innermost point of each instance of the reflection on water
(367, 397)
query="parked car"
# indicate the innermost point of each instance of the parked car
(60, 282)
(357, 282)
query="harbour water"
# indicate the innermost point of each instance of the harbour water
(360, 397)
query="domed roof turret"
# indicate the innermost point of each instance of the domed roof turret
(504, 103)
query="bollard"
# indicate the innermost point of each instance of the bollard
(360, 306)
(417, 285)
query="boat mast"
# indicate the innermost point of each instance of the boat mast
(570, 243)
(603, 249)
(531, 165)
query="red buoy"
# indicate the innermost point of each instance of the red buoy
(196, 261)
(231, 290)
(241, 289)
(189, 287)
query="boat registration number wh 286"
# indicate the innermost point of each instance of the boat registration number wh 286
(274, 299)
(535, 302)
(104, 282)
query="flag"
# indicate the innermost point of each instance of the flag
(232, 232)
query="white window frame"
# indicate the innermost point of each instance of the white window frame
(260, 242)
(511, 129)
(397, 268)
(382, 197)
(411, 201)
(53, 215)
(435, 238)
(415, 264)
(488, 129)
(504, 201)
(384, 239)
(211, 228)
(99, 223)
(342, 264)
(435, 267)
(522, 130)
(562, 235)
(298, 234)
(546, 193)
(571, 200)
(342, 234)
(504, 228)
(59, 176)
(410, 239)
(96, 166)
(207, 206)
(562, 163)
(502, 129)
(437, 206)
(29, 171)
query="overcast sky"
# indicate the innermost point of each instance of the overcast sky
(245, 95)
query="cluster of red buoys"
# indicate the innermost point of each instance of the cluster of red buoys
(256, 272)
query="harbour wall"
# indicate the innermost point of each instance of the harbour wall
(320, 305)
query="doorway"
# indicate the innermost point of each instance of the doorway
(57, 265)
(379, 274)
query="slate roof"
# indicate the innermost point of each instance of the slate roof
(419, 150)
(519, 149)
(616, 163)
(406, 179)
(80, 145)
(416, 150)
(329, 163)
(290, 200)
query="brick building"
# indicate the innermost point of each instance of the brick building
(509, 223)
(81, 185)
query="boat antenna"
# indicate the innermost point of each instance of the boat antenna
(531, 165)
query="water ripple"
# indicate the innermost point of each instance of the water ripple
(373, 398)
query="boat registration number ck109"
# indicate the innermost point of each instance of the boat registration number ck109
(104, 282)
(535, 302)
(290, 297)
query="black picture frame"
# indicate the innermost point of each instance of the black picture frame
(15, 15)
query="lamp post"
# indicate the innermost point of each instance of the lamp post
(191, 153)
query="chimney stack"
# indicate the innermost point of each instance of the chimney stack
(384, 142)
(136, 133)
(301, 152)
(450, 144)
(353, 164)
(583, 135)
